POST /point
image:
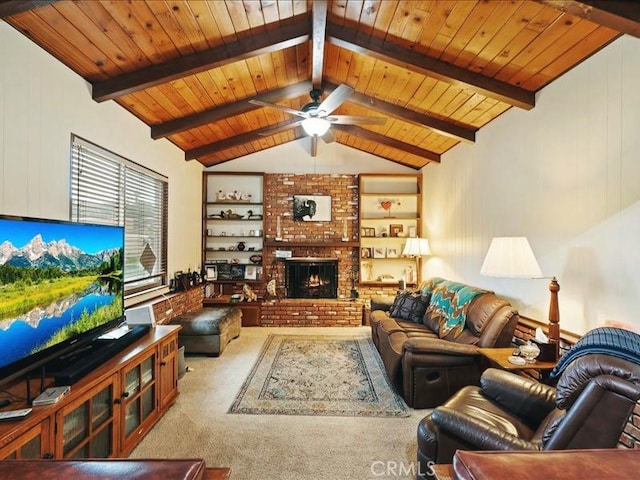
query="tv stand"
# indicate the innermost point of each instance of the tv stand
(71, 367)
(106, 413)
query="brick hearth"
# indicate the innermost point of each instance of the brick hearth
(312, 313)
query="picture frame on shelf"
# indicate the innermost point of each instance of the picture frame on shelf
(211, 273)
(237, 272)
(379, 252)
(250, 272)
(312, 208)
(412, 232)
(365, 252)
(392, 252)
(395, 229)
(368, 232)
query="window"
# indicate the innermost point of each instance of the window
(109, 189)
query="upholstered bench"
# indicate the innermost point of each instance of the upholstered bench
(208, 330)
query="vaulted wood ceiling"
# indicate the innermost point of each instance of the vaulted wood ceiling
(437, 70)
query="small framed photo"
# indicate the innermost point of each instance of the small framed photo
(379, 252)
(368, 232)
(211, 273)
(392, 252)
(395, 229)
(365, 252)
(412, 232)
(250, 272)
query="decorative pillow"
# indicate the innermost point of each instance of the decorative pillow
(410, 306)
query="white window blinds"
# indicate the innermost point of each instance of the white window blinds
(109, 189)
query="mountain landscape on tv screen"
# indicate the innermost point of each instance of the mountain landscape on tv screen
(56, 253)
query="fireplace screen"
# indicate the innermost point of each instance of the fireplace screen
(311, 277)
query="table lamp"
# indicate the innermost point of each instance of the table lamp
(416, 247)
(512, 257)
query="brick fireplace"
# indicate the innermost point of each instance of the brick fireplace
(309, 277)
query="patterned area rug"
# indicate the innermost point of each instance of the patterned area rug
(319, 375)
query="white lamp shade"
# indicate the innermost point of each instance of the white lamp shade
(315, 126)
(416, 247)
(510, 257)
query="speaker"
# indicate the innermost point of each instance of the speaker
(140, 315)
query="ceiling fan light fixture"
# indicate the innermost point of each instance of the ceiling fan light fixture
(315, 126)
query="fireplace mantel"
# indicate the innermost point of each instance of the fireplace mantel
(310, 259)
(331, 244)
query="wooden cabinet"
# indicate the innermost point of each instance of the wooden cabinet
(389, 212)
(33, 444)
(232, 228)
(106, 413)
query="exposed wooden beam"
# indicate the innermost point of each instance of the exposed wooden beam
(349, 39)
(13, 7)
(219, 113)
(231, 142)
(443, 127)
(289, 35)
(319, 27)
(623, 16)
(389, 142)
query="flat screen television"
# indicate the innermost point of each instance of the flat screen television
(61, 285)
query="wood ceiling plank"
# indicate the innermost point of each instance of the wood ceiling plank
(401, 16)
(438, 90)
(303, 66)
(300, 7)
(493, 26)
(9, 8)
(269, 71)
(220, 14)
(552, 34)
(238, 17)
(285, 9)
(279, 67)
(586, 47)
(337, 10)
(95, 34)
(414, 81)
(368, 16)
(165, 72)
(57, 21)
(474, 21)
(114, 31)
(622, 16)
(453, 18)
(456, 102)
(343, 65)
(490, 114)
(181, 24)
(432, 67)
(562, 46)
(386, 13)
(209, 86)
(291, 66)
(257, 74)
(472, 103)
(433, 23)
(254, 14)
(139, 23)
(270, 14)
(418, 98)
(206, 23)
(58, 47)
(501, 41)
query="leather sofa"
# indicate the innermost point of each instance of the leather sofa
(426, 369)
(588, 408)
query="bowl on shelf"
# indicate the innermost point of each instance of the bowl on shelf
(255, 259)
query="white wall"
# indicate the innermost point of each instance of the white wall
(42, 103)
(566, 175)
(295, 157)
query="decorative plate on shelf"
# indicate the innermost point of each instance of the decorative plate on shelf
(256, 258)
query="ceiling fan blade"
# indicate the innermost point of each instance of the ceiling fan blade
(281, 128)
(297, 113)
(328, 137)
(356, 120)
(335, 99)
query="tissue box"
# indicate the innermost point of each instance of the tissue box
(548, 351)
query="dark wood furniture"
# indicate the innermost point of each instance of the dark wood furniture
(500, 357)
(106, 413)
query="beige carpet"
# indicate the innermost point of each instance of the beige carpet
(276, 446)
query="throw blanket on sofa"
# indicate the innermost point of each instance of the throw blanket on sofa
(616, 342)
(449, 304)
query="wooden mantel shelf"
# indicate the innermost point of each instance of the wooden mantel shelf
(330, 243)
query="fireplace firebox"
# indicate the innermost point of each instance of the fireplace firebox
(311, 277)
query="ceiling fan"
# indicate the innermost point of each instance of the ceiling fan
(316, 116)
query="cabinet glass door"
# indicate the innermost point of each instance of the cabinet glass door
(139, 394)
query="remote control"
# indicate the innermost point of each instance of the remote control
(14, 414)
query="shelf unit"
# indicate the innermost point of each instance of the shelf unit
(232, 227)
(389, 211)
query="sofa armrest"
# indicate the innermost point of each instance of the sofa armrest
(440, 347)
(483, 436)
(382, 302)
(525, 397)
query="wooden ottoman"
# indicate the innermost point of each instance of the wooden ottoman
(208, 330)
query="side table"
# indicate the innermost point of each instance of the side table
(500, 356)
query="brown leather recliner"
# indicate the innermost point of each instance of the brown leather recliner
(588, 408)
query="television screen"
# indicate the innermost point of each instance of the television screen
(60, 283)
